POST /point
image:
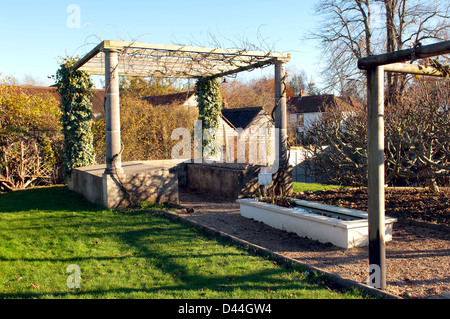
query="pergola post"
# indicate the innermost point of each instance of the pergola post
(280, 110)
(112, 113)
(376, 196)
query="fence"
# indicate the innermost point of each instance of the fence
(303, 169)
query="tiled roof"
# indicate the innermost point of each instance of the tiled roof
(316, 103)
(241, 117)
(167, 99)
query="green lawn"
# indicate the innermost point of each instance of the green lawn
(134, 254)
(304, 187)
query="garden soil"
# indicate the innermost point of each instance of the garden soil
(417, 258)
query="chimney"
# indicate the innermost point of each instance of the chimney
(302, 94)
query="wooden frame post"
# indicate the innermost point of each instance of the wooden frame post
(112, 113)
(376, 65)
(376, 196)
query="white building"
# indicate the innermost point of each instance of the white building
(245, 135)
(305, 110)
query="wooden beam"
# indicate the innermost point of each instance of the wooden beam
(147, 64)
(153, 73)
(413, 69)
(420, 52)
(193, 55)
(153, 58)
(166, 62)
(113, 44)
(172, 69)
(91, 54)
(249, 67)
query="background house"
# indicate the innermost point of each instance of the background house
(305, 110)
(254, 129)
(187, 98)
(248, 118)
(245, 123)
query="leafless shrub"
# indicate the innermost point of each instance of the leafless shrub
(417, 144)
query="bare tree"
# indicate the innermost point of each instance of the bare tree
(417, 144)
(411, 22)
(418, 141)
(338, 144)
(297, 82)
(353, 29)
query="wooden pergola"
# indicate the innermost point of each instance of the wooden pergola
(375, 66)
(115, 58)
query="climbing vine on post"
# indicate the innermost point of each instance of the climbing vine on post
(210, 110)
(75, 90)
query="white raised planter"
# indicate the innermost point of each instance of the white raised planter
(328, 224)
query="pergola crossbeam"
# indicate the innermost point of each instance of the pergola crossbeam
(413, 69)
(146, 65)
(113, 44)
(245, 68)
(418, 52)
(144, 59)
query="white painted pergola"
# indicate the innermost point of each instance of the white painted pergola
(115, 58)
(375, 66)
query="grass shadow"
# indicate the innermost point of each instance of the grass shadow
(140, 254)
(52, 198)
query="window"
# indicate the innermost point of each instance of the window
(300, 120)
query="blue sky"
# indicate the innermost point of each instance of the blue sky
(34, 34)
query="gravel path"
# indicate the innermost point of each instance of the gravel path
(418, 258)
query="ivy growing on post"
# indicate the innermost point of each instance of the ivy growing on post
(75, 89)
(210, 110)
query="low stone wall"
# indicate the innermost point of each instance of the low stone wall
(177, 167)
(153, 185)
(87, 182)
(158, 181)
(228, 180)
(140, 182)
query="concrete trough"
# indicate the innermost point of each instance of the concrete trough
(342, 227)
